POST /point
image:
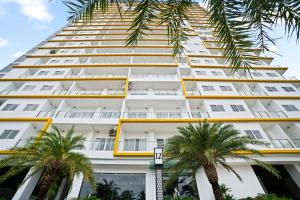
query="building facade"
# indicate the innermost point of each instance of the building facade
(127, 101)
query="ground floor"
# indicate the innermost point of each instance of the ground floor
(134, 179)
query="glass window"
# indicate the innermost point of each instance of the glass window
(10, 107)
(208, 88)
(46, 87)
(217, 108)
(54, 61)
(135, 144)
(43, 73)
(272, 74)
(257, 74)
(9, 134)
(116, 186)
(216, 73)
(68, 61)
(271, 89)
(226, 88)
(255, 134)
(288, 89)
(29, 87)
(58, 72)
(290, 108)
(201, 73)
(30, 107)
(237, 108)
(160, 143)
(103, 144)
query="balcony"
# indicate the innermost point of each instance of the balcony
(156, 115)
(204, 115)
(286, 143)
(88, 114)
(270, 114)
(154, 93)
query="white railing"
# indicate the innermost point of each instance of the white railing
(88, 114)
(251, 93)
(153, 76)
(158, 115)
(155, 92)
(286, 143)
(270, 114)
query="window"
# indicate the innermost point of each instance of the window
(255, 134)
(135, 145)
(208, 88)
(9, 134)
(209, 61)
(68, 61)
(103, 144)
(10, 107)
(216, 73)
(271, 89)
(217, 108)
(30, 107)
(195, 61)
(256, 74)
(54, 61)
(237, 108)
(201, 73)
(160, 143)
(58, 72)
(29, 87)
(288, 89)
(46, 87)
(226, 88)
(43, 73)
(271, 74)
(290, 108)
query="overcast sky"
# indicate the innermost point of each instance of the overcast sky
(25, 23)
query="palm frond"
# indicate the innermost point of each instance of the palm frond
(145, 12)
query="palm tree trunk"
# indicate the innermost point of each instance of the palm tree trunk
(47, 179)
(212, 176)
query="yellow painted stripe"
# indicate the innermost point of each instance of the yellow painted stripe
(239, 97)
(99, 55)
(229, 67)
(96, 65)
(219, 56)
(106, 46)
(22, 96)
(64, 79)
(239, 80)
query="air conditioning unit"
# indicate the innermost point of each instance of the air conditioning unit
(112, 132)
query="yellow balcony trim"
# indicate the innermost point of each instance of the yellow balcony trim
(22, 96)
(151, 27)
(119, 34)
(220, 56)
(64, 79)
(118, 153)
(108, 29)
(228, 67)
(239, 97)
(108, 40)
(240, 80)
(47, 121)
(100, 55)
(96, 65)
(106, 46)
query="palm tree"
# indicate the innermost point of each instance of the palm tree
(107, 190)
(239, 25)
(209, 145)
(54, 155)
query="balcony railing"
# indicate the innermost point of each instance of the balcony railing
(200, 115)
(97, 92)
(155, 92)
(88, 114)
(97, 76)
(153, 76)
(286, 143)
(138, 145)
(45, 114)
(158, 115)
(251, 93)
(270, 114)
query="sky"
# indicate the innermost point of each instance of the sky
(25, 23)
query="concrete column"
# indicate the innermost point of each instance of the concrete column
(25, 190)
(150, 185)
(75, 188)
(150, 112)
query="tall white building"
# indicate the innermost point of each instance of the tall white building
(126, 101)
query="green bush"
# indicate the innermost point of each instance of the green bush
(266, 197)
